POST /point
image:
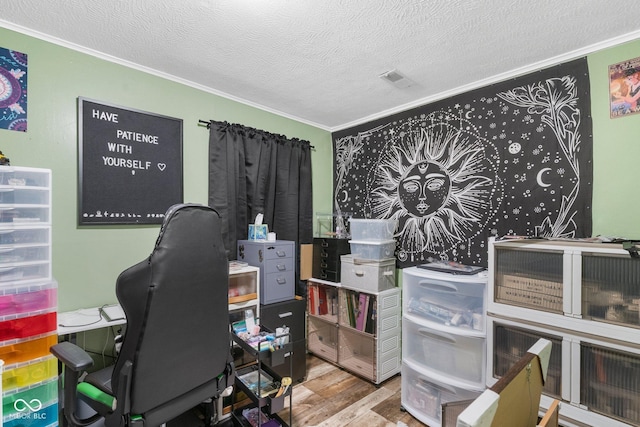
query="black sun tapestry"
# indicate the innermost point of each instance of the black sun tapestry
(513, 158)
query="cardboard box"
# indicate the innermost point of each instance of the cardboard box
(306, 261)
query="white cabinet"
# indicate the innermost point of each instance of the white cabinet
(443, 341)
(359, 331)
(585, 298)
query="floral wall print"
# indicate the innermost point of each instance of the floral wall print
(13, 90)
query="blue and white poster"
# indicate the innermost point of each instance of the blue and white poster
(13, 90)
(513, 158)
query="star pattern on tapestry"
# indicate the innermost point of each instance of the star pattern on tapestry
(508, 159)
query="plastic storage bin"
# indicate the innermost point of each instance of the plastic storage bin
(27, 326)
(27, 298)
(369, 249)
(47, 416)
(367, 275)
(22, 350)
(46, 392)
(23, 375)
(459, 356)
(372, 229)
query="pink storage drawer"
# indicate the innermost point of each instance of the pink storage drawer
(28, 299)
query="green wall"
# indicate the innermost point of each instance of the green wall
(616, 152)
(87, 260)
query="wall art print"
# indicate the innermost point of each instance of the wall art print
(624, 87)
(13, 90)
(513, 158)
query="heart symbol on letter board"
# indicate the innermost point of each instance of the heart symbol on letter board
(162, 166)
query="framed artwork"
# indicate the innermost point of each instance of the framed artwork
(624, 87)
(130, 164)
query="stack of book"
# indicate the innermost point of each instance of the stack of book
(361, 311)
(323, 300)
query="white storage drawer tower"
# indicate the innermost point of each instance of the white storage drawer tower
(443, 341)
(585, 298)
(28, 299)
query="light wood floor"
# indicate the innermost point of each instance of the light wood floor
(332, 397)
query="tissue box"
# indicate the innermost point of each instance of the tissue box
(258, 232)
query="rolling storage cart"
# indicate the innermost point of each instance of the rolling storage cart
(261, 384)
(585, 298)
(443, 341)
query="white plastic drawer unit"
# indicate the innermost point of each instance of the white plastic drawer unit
(458, 356)
(423, 395)
(443, 298)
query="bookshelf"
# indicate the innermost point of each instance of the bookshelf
(356, 330)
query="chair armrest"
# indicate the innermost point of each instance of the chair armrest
(72, 356)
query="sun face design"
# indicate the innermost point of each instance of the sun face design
(423, 189)
(439, 180)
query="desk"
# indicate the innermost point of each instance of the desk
(84, 319)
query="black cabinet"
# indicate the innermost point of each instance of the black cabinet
(326, 257)
(292, 314)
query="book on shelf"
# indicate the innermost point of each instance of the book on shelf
(370, 326)
(322, 301)
(361, 309)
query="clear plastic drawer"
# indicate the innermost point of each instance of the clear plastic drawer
(24, 236)
(14, 254)
(24, 178)
(24, 215)
(458, 356)
(12, 274)
(357, 353)
(447, 299)
(24, 196)
(424, 396)
(323, 339)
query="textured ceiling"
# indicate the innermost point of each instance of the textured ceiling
(319, 61)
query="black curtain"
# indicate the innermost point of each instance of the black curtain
(252, 171)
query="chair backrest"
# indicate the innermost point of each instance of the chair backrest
(177, 335)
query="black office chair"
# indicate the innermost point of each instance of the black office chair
(176, 349)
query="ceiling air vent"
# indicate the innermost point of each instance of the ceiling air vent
(396, 79)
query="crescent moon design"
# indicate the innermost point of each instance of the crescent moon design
(345, 196)
(541, 183)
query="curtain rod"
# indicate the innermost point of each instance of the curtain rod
(207, 123)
